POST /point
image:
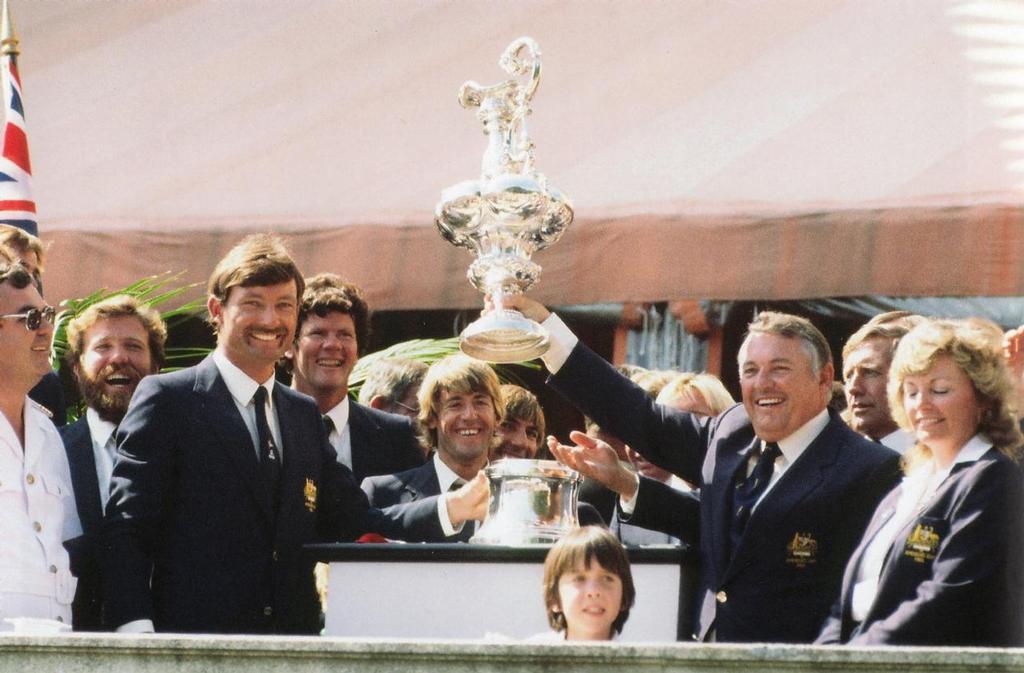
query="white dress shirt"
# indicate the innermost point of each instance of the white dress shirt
(340, 435)
(104, 451)
(37, 514)
(445, 478)
(899, 441)
(243, 389)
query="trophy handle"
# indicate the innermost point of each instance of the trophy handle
(515, 65)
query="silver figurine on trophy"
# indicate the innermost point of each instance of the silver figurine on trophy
(506, 215)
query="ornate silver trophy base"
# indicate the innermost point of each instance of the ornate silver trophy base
(504, 336)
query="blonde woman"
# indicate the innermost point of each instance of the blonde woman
(940, 562)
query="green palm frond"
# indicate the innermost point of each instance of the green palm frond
(153, 291)
(427, 351)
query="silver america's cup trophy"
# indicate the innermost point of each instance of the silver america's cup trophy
(506, 215)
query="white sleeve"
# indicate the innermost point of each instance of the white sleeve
(562, 343)
(137, 626)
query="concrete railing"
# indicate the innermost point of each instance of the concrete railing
(79, 653)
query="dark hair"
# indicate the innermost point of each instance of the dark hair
(579, 549)
(523, 405)
(328, 293)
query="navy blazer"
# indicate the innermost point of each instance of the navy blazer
(190, 537)
(382, 443)
(392, 492)
(395, 490)
(779, 583)
(953, 574)
(87, 607)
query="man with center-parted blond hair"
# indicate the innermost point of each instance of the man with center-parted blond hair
(460, 407)
(222, 475)
(112, 345)
(786, 487)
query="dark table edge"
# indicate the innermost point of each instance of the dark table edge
(473, 553)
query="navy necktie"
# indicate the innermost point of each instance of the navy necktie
(749, 489)
(270, 457)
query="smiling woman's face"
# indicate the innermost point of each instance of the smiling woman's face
(942, 406)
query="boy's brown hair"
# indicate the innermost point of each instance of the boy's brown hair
(579, 549)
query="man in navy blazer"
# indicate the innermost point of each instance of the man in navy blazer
(223, 475)
(770, 572)
(333, 322)
(460, 408)
(112, 345)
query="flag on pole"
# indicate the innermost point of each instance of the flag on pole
(17, 207)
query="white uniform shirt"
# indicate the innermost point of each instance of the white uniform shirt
(37, 514)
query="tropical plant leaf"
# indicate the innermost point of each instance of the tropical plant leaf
(427, 351)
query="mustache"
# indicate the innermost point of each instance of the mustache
(124, 369)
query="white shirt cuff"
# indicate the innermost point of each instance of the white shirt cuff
(137, 626)
(446, 522)
(562, 342)
(627, 506)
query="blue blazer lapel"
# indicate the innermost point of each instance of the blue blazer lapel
(882, 514)
(729, 462)
(362, 433)
(300, 445)
(78, 444)
(424, 483)
(232, 435)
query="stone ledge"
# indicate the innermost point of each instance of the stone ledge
(81, 653)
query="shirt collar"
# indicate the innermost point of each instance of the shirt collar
(445, 476)
(99, 429)
(339, 414)
(239, 384)
(975, 448)
(899, 441)
(792, 447)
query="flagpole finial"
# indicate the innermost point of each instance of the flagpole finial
(8, 38)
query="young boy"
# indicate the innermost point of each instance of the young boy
(588, 586)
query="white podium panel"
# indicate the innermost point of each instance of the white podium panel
(472, 591)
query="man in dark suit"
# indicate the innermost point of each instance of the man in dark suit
(786, 487)
(222, 476)
(333, 322)
(112, 345)
(460, 408)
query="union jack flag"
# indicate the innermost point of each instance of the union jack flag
(17, 207)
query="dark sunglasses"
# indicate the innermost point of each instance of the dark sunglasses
(34, 317)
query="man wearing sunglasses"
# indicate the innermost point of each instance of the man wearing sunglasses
(37, 505)
(21, 246)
